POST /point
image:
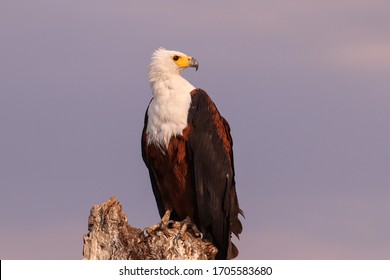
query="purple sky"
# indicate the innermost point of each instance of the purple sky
(305, 86)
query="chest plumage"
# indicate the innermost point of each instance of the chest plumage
(168, 110)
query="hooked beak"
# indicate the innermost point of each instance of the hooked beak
(193, 63)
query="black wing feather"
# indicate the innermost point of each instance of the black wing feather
(213, 171)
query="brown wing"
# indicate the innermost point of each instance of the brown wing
(212, 167)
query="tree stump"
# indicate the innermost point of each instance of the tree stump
(110, 237)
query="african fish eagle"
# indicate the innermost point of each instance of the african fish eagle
(187, 147)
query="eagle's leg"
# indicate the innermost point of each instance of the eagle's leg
(165, 221)
(184, 226)
(167, 215)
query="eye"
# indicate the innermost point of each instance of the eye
(175, 58)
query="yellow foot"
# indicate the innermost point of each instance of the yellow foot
(184, 226)
(165, 221)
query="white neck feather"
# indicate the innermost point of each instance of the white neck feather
(168, 111)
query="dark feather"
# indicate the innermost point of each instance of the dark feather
(210, 146)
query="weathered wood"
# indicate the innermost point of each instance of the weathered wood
(110, 237)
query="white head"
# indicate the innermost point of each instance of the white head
(168, 110)
(165, 63)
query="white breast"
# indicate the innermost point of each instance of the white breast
(168, 111)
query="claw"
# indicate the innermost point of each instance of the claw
(170, 223)
(167, 223)
(198, 234)
(184, 227)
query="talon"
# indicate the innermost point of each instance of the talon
(170, 223)
(187, 222)
(199, 234)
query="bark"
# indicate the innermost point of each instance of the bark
(110, 237)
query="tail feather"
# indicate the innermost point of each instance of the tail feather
(232, 252)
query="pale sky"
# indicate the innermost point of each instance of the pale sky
(304, 85)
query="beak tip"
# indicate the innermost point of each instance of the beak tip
(194, 63)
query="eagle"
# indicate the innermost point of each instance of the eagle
(187, 148)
